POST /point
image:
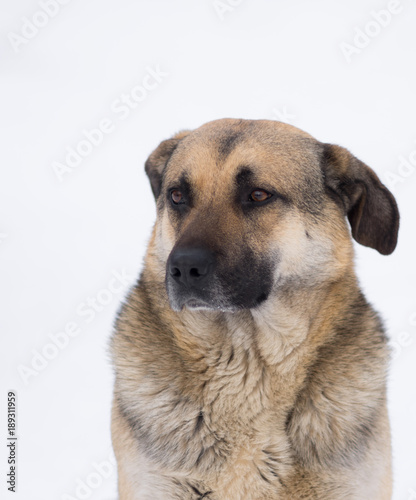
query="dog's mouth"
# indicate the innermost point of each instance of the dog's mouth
(184, 299)
(196, 304)
(193, 303)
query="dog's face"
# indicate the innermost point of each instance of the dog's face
(248, 207)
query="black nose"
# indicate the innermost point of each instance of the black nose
(191, 266)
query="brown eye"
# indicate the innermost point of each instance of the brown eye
(176, 196)
(259, 195)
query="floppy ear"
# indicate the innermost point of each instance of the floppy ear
(157, 161)
(368, 204)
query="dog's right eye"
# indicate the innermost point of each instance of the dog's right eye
(259, 195)
(177, 197)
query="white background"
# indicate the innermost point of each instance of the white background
(60, 242)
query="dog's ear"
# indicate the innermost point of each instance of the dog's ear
(157, 161)
(370, 207)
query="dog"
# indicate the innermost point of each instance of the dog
(248, 363)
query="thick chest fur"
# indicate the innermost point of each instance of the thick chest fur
(211, 414)
(230, 438)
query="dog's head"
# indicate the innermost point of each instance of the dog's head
(245, 207)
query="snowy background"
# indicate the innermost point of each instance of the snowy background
(74, 226)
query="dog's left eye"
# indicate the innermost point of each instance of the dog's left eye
(176, 196)
(259, 195)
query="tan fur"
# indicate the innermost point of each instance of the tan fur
(285, 400)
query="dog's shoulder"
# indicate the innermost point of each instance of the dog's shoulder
(339, 409)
